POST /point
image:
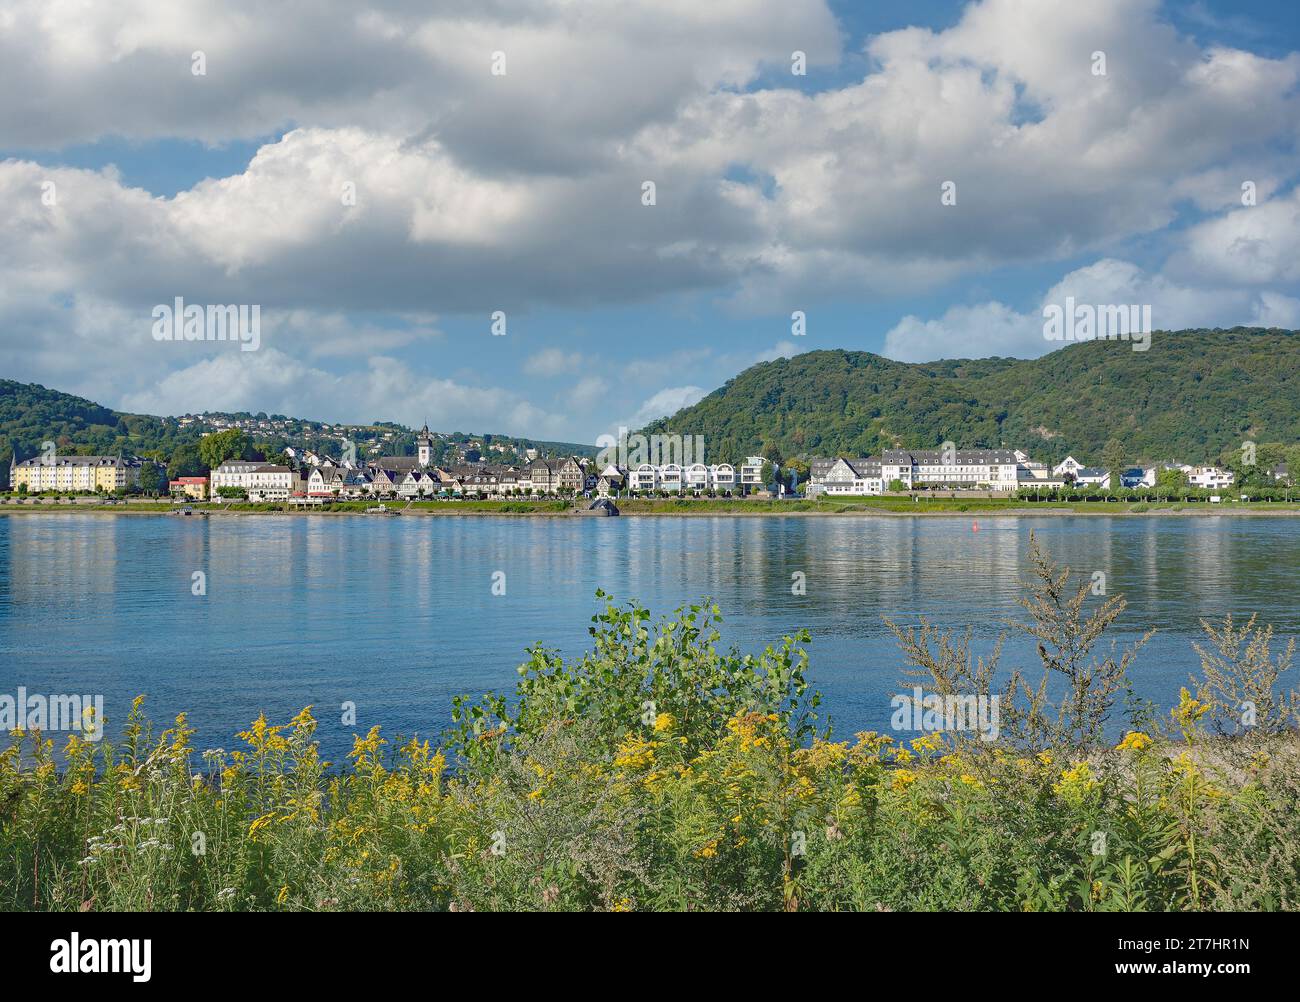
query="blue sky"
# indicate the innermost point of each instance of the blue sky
(522, 192)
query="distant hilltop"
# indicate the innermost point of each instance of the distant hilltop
(1198, 393)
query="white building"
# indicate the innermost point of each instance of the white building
(1210, 477)
(418, 483)
(1068, 465)
(273, 483)
(1036, 475)
(973, 469)
(1092, 476)
(751, 474)
(1136, 476)
(268, 481)
(696, 478)
(855, 477)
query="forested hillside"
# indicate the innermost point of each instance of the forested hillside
(1194, 395)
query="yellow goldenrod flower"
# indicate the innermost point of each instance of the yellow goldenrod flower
(1134, 741)
(708, 850)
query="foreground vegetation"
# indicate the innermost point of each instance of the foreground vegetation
(660, 772)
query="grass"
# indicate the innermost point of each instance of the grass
(662, 772)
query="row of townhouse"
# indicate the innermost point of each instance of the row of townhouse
(399, 476)
(673, 477)
(698, 478)
(75, 473)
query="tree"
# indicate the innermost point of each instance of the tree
(151, 478)
(1169, 481)
(186, 461)
(216, 449)
(1293, 463)
(1113, 458)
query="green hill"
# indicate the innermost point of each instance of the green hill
(31, 414)
(1195, 395)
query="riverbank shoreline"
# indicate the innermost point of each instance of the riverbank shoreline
(960, 508)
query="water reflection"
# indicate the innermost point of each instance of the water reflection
(398, 614)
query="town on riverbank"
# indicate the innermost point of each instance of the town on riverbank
(911, 481)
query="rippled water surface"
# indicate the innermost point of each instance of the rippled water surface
(397, 614)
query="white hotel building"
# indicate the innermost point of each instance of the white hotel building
(973, 469)
(976, 469)
(265, 480)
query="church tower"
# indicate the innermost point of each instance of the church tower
(425, 443)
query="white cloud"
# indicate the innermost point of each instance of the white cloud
(993, 328)
(554, 362)
(387, 390)
(477, 192)
(966, 332)
(782, 349)
(663, 404)
(1253, 245)
(580, 75)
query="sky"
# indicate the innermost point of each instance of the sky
(382, 178)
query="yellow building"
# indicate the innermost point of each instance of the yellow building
(190, 487)
(75, 473)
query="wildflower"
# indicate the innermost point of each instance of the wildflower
(1188, 712)
(663, 722)
(259, 824)
(263, 738)
(928, 742)
(635, 754)
(1076, 784)
(1134, 741)
(903, 778)
(708, 850)
(283, 896)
